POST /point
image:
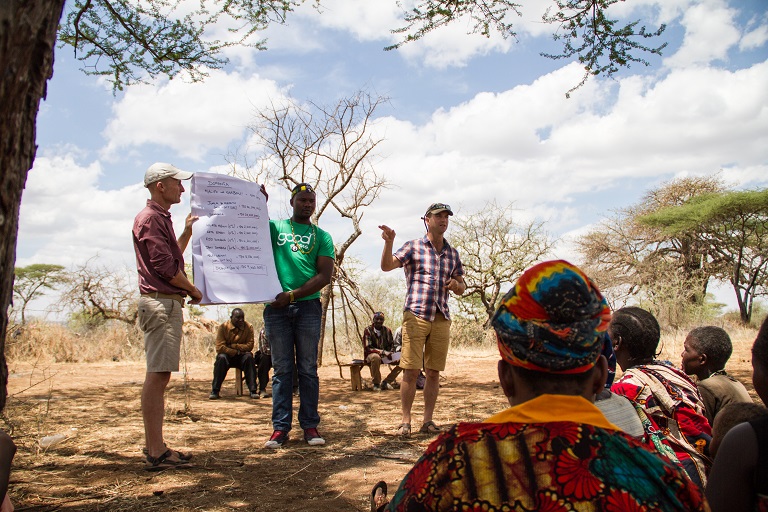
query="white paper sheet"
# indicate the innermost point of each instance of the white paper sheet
(232, 261)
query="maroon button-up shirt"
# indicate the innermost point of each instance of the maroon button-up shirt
(158, 256)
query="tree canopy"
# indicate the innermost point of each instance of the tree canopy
(629, 258)
(587, 30)
(732, 230)
(31, 282)
(495, 249)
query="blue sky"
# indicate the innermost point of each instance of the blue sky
(469, 120)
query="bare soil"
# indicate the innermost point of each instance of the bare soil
(101, 466)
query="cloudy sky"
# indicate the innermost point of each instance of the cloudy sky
(469, 120)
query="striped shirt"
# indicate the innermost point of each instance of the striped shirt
(427, 272)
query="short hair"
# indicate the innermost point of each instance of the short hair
(714, 342)
(730, 416)
(760, 347)
(638, 329)
(235, 311)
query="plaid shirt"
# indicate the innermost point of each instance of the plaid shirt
(427, 272)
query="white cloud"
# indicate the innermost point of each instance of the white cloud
(191, 118)
(710, 31)
(755, 38)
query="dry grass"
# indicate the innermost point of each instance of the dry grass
(91, 382)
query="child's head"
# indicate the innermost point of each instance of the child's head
(730, 416)
(706, 350)
(760, 362)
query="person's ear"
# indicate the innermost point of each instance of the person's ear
(506, 379)
(599, 375)
(703, 359)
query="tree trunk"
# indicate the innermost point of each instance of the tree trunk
(27, 39)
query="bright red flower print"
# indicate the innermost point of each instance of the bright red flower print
(621, 501)
(549, 502)
(575, 478)
(504, 430)
(469, 432)
(418, 478)
(568, 430)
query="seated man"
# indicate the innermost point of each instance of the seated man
(553, 449)
(378, 343)
(234, 342)
(264, 363)
(705, 352)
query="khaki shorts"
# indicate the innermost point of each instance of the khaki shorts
(430, 339)
(161, 320)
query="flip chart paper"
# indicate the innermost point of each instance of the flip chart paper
(232, 260)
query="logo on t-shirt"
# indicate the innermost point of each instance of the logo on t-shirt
(299, 241)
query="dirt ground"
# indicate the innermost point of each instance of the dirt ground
(100, 467)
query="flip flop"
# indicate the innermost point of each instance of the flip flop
(378, 495)
(404, 429)
(430, 428)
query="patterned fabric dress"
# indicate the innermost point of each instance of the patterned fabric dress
(666, 393)
(522, 460)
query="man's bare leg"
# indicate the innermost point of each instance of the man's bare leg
(431, 388)
(153, 410)
(408, 393)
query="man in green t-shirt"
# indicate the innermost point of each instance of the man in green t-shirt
(304, 256)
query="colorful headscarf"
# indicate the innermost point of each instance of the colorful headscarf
(553, 320)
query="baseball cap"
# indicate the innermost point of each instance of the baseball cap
(160, 170)
(437, 208)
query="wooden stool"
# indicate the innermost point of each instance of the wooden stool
(239, 382)
(354, 372)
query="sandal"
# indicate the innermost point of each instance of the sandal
(182, 456)
(430, 428)
(165, 461)
(378, 496)
(404, 429)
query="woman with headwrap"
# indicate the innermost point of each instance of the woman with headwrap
(552, 449)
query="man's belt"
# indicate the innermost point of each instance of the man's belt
(158, 295)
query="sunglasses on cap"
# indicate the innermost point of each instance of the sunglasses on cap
(302, 187)
(439, 207)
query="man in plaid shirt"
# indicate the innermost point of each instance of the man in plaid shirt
(432, 269)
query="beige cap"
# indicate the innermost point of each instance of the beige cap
(160, 170)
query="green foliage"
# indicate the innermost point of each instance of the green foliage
(429, 15)
(732, 227)
(31, 282)
(628, 258)
(124, 40)
(599, 42)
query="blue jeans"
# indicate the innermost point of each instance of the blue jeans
(294, 333)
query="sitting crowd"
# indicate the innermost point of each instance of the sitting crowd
(690, 436)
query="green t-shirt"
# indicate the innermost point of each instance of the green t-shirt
(294, 267)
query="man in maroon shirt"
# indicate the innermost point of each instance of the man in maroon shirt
(163, 286)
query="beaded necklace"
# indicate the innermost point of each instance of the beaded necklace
(296, 244)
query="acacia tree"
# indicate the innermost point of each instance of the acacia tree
(32, 281)
(586, 29)
(733, 227)
(329, 147)
(495, 250)
(96, 294)
(629, 257)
